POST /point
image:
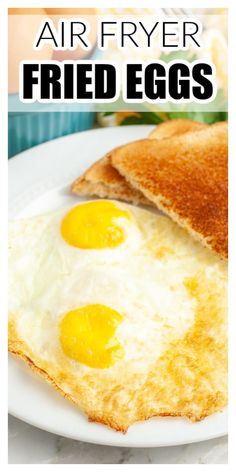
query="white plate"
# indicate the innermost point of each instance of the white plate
(39, 181)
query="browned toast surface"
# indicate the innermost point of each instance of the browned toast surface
(102, 180)
(186, 177)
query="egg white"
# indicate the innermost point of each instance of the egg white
(173, 336)
(48, 278)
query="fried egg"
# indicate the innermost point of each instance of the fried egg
(120, 310)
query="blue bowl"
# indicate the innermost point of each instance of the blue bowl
(26, 130)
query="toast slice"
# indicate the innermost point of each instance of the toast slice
(186, 178)
(102, 180)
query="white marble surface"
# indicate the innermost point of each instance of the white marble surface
(29, 445)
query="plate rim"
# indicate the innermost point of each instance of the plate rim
(119, 444)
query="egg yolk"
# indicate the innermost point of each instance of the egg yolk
(94, 225)
(87, 335)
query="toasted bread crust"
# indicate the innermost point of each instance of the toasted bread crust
(170, 128)
(186, 177)
(103, 180)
